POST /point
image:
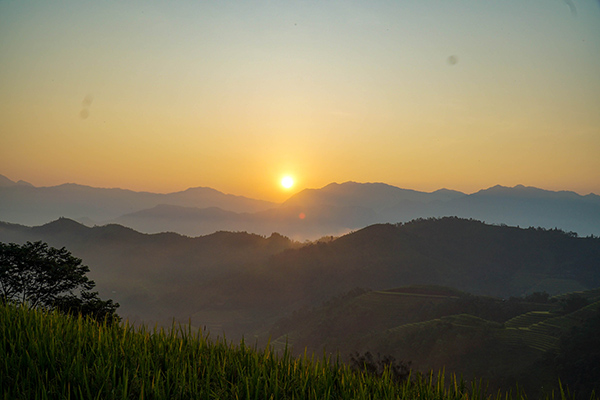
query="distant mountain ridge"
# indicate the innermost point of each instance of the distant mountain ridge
(285, 293)
(533, 192)
(238, 281)
(376, 196)
(26, 204)
(332, 210)
(339, 208)
(4, 182)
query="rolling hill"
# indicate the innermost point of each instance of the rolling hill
(158, 277)
(305, 294)
(241, 283)
(339, 208)
(332, 210)
(506, 342)
(26, 204)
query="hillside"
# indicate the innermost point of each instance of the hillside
(468, 255)
(76, 358)
(24, 203)
(507, 342)
(301, 223)
(242, 283)
(333, 210)
(158, 277)
(245, 285)
(49, 355)
(338, 208)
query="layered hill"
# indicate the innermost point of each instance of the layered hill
(79, 358)
(521, 340)
(339, 208)
(465, 254)
(24, 203)
(241, 283)
(158, 277)
(332, 210)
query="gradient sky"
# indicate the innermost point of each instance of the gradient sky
(162, 96)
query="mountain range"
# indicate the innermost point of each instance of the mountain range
(238, 282)
(332, 210)
(384, 288)
(483, 299)
(21, 202)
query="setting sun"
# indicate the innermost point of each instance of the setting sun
(287, 182)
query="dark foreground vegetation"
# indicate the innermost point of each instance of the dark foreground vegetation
(241, 283)
(43, 276)
(49, 355)
(508, 305)
(533, 341)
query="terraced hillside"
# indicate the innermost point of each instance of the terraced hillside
(541, 330)
(504, 341)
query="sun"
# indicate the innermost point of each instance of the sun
(287, 182)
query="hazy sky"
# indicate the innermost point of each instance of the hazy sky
(162, 96)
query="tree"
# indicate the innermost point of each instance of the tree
(399, 370)
(46, 277)
(537, 297)
(573, 303)
(578, 358)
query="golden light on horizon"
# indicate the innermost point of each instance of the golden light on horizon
(390, 93)
(287, 182)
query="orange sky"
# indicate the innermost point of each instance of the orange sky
(233, 95)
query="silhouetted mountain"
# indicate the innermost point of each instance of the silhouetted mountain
(340, 208)
(242, 282)
(156, 277)
(312, 213)
(468, 255)
(37, 205)
(528, 192)
(4, 182)
(527, 206)
(191, 221)
(257, 286)
(375, 196)
(298, 222)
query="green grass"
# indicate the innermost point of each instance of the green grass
(528, 319)
(45, 355)
(541, 330)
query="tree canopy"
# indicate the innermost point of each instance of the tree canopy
(43, 276)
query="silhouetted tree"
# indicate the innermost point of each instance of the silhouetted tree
(46, 277)
(537, 297)
(578, 358)
(399, 370)
(573, 303)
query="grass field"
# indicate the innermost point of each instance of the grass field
(51, 356)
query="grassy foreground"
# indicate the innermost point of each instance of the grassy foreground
(45, 355)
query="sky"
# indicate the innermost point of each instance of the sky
(161, 96)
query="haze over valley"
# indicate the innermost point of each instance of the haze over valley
(405, 184)
(240, 284)
(332, 210)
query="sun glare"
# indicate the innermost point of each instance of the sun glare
(287, 182)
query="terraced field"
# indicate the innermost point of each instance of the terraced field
(528, 319)
(387, 308)
(541, 330)
(460, 320)
(394, 293)
(592, 295)
(436, 330)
